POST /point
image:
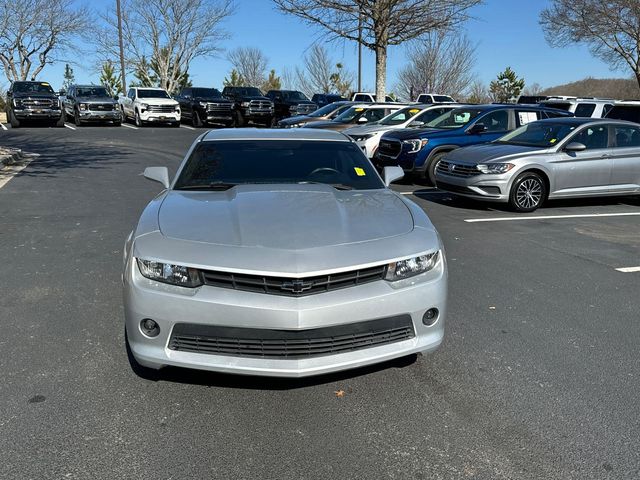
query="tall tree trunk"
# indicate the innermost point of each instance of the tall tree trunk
(381, 72)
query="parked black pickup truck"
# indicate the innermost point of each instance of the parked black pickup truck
(288, 103)
(33, 101)
(250, 106)
(205, 105)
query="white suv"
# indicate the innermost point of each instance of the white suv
(367, 137)
(581, 107)
(146, 104)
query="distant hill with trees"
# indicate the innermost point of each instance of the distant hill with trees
(618, 88)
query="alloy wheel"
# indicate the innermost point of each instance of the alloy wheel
(529, 194)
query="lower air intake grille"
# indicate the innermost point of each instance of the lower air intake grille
(290, 344)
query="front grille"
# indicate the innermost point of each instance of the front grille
(161, 108)
(37, 103)
(290, 344)
(260, 106)
(457, 169)
(304, 109)
(293, 287)
(101, 107)
(389, 148)
(219, 107)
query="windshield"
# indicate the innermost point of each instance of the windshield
(401, 116)
(91, 92)
(29, 87)
(454, 118)
(350, 115)
(538, 134)
(326, 110)
(206, 93)
(248, 92)
(142, 93)
(292, 95)
(229, 163)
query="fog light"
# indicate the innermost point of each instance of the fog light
(430, 317)
(149, 327)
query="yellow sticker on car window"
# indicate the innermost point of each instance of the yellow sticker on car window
(359, 171)
(414, 110)
(553, 140)
(44, 84)
(359, 109)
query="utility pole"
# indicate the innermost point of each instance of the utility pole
(124, 80)
(359, 49)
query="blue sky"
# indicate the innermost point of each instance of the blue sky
(506, 31)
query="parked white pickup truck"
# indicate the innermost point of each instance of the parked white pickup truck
(146, 105)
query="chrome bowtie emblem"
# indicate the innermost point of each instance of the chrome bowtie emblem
(296, 286)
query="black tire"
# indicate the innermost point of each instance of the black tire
(13, 121)
(175, 124)
(141, 371)
(272, 123)
(117, 123)
(528, 192)
(76, 118)
(239, 120)
(430, 171)
(124, 116)
(195, 119)
(137, 119)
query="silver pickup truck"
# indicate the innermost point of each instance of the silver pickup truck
(90, 103)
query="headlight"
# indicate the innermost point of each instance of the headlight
(362, 138)
(495, 167)
(245, 104)
(83, 106)
(203, 104)
(412, 266)
(415, 144)
(144, 106)
(172, 274)
(17, 102)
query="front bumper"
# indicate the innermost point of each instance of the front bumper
(97, 116)
(493, 188)
(160, 117)
(37, 114)
(208, 306)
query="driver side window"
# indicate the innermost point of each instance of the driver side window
(497, 121)
(374, 114)
(593, 137)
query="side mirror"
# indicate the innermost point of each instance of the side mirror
(391, 174)
(416, 124)
(575, 147)
(477, 128)
(363, 120)
(158, 174)
(116, 98)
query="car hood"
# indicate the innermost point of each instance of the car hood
(288, 217)
(364, 129)
(328, 125)
(249, 98)
(212, 99)
(95, 100)
(296, 119)
(34, 95)
(158, 101)
(492, 152)
(406, 133)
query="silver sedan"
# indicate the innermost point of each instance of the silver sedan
(281, 253)
(547, 159)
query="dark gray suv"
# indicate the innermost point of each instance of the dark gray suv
(91, 103)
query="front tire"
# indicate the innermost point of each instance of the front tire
(239, 120)
(430, 171)
(138, 120)
(528, 192)
(13, 121)
(195, 119)
(76, 118)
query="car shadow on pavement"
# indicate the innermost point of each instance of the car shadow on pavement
(249, 382)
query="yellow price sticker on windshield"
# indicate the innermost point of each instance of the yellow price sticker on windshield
(359, 109)
(414, 110)
(359, 171)
(553, 140)
(44, 84)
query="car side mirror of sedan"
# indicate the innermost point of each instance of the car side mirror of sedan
(477, 128)
(391, 174)
(158, 174)
(575, 147)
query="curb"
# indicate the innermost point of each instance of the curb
(14, 155)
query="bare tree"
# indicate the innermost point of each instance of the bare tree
(169, 33)
(315, 76)
(34, 32)
(478, 93)
(611, 29)
(534, 89)
(440, 63)
(382, 22)
(288, 79)
(250, 63)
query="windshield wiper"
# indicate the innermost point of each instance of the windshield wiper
(213, 186)
(337, 186)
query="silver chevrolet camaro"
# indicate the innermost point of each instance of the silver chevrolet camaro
(280, 253)
(547, 159)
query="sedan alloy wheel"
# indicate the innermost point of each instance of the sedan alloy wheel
(527, 193)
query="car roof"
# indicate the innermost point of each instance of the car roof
(87, 86)
(274, 134)
(148, 88)
(585, 120)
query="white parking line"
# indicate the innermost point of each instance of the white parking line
(128, 126)
(628, 269)
(69, 126)
(186, 126)
(3, 127)
(10, 171)
(550, 217)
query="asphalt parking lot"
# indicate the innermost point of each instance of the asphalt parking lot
(538, 377)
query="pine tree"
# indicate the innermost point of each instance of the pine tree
(342, 86)
(109, 79)
(272, 82)
(506, 87)
(69, 77)
(234, 80)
